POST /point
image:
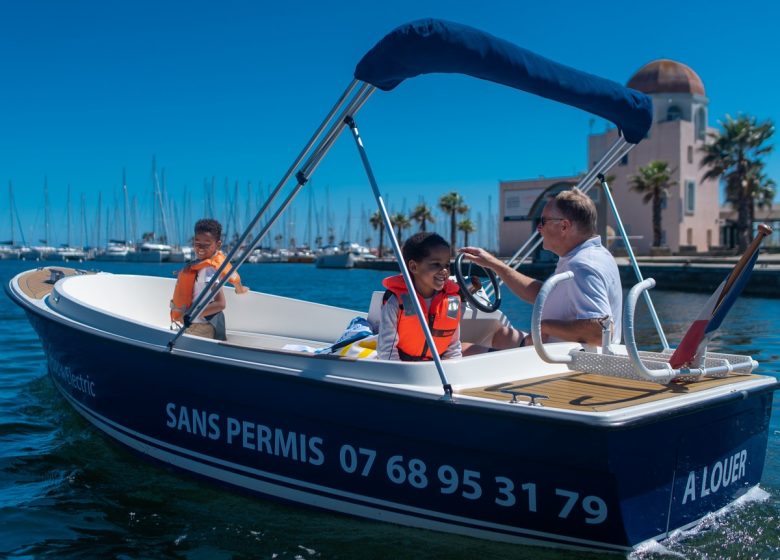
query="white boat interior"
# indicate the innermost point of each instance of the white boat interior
(134, 309)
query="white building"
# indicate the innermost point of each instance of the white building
(690, 219)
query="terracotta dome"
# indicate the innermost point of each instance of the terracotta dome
(666, 76)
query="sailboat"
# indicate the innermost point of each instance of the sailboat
(45, 250)
(347, 253)
(151, 250)
(117, 250)
(68, 252)
(9, 250)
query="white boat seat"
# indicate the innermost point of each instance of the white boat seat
(375, 309)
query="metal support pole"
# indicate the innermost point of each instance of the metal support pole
(350, 122)
(632, 260)
(217, 281)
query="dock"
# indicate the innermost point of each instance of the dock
(679, 273)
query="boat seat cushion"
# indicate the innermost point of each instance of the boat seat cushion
(375, 309)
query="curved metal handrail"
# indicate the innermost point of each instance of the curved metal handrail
(666, 372)
(536, 318)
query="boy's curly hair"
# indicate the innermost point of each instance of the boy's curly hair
(209, 225)
(419, 245)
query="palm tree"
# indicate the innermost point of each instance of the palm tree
(422, 215)
(377, 222)
(467, 227)
(452, 203)
(401, 222)
(763, 188)
(735, 156)
(652, 181)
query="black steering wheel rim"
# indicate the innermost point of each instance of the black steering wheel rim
(464, 288)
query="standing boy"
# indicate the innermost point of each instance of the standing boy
(194, 277)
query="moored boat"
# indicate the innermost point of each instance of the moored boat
(344, 255)
(553, 444)
(150, 252)
(115, 251)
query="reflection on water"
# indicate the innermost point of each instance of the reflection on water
(67, 492)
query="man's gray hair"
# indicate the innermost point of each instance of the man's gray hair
(578, 208)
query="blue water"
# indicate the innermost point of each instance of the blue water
(68, 492)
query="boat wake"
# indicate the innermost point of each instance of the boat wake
(684, 543)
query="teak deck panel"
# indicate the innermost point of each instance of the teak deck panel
(37, 283)
(590, 392)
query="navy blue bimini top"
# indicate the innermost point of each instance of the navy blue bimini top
(431, 45)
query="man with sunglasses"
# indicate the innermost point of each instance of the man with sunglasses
(575, 310)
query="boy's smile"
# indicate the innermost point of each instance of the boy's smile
(432, 272)
(205, 246)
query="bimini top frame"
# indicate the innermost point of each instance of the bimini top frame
(436, 46)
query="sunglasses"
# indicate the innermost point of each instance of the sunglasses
(543, 220)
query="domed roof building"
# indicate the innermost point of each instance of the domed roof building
(690, 215)
(677, 92)
(666, 76)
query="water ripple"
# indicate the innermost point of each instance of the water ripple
(67, 492)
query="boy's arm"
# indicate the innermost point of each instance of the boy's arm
(235, 279)
(454, 350)
(240, 288)
(215, 306)
(388, 330)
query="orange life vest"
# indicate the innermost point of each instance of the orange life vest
(443, 319)
(185, 282)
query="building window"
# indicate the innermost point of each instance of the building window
(700, 124)
(689, 236)
(674, 113)
(690, 154)
(624, 160)
(664, 201)
(690, 197)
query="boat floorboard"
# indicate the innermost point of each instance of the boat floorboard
(590, 392)
(38, 283)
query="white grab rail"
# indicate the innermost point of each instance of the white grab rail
(721, 364)
(645, 366)
(536, 319)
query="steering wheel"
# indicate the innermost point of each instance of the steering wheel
(483, 304)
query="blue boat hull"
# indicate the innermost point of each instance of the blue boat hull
(410, 460)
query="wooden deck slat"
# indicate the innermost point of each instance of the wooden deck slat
(596, 393)
(36, 283)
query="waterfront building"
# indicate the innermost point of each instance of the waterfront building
(690, 215)
(769, 215)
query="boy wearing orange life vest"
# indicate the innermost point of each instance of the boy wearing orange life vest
(194, 277)
(401, 337)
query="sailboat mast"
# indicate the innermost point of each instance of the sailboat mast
(124, 192)
(11, 210)
(68, 215)
(14, 210)
(158, 201)
(307, 237)
(154, 197)
(46, 210)
(83, 237)
(99, 216)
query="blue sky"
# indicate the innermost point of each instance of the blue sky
(232, 90)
